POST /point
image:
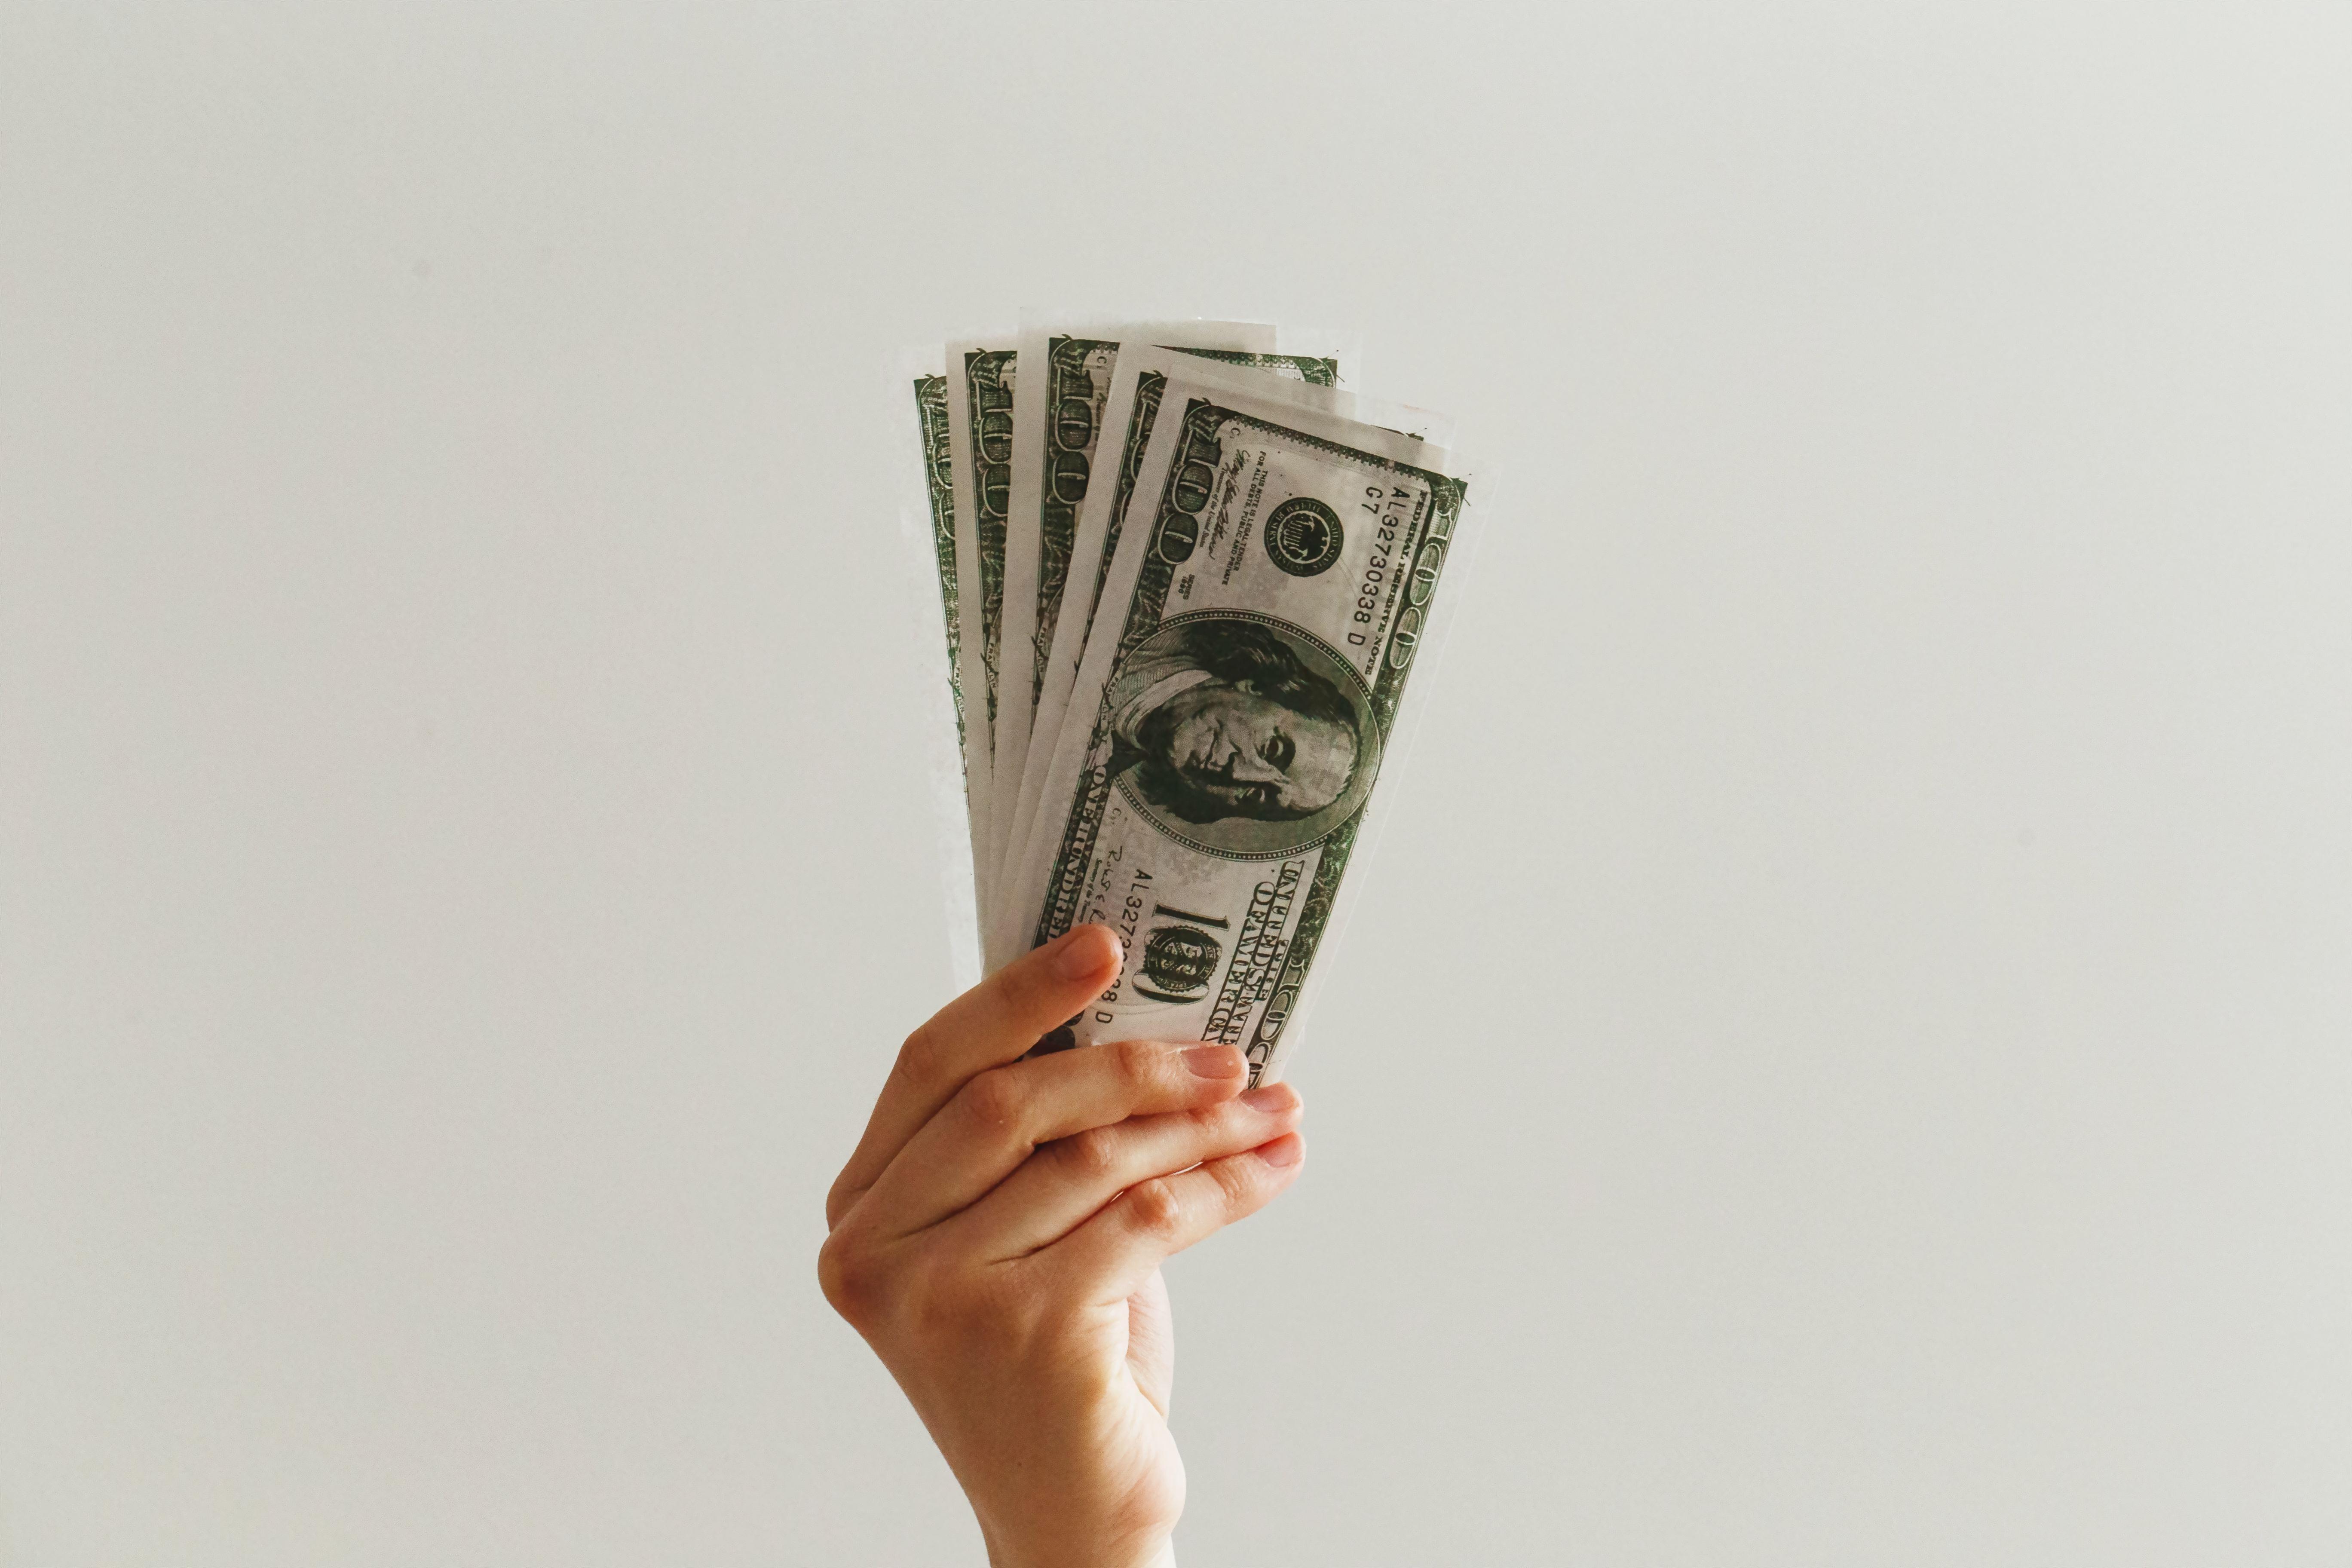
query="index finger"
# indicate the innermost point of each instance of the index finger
(988, 1025)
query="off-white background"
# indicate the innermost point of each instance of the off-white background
(1843, 1060)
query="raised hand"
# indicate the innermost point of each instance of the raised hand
(997, 1238)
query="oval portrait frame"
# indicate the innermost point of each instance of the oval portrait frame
(1247, 837)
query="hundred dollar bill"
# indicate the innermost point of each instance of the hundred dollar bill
(979, 383)
(1256, 629)
(1134, 378)
(1057, 409)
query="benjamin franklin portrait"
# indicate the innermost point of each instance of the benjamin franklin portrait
(1221, 719)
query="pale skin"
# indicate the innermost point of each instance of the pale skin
(997, 1238)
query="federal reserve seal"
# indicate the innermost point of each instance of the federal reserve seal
(1303, 536)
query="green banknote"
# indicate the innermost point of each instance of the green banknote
(931, 416)
(1255, 634)
(1060, 393)
(1150, 384)
(1077, 373)
(980, 378)
(1136, 375)
(988, 393)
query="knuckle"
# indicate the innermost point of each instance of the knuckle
(918, 1059)
(1141, 1063)
(1236, 1181)
(851, 1279)
(1154, 1210)
(995, 1101)
(1011, 989)
(1092, 1156)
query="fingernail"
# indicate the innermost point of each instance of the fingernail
(1272, 1099)
(1080, 954)
(1285, 1150)
(1214, 1061)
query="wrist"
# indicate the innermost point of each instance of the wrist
(1153, 1552)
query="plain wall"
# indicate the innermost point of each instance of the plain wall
(1843, 1059)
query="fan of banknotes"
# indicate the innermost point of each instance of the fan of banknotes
(1187, 576)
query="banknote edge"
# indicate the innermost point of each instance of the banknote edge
(942, 752)
(979, 729)
(1483, 484)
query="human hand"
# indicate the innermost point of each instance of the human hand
(997, 1238)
